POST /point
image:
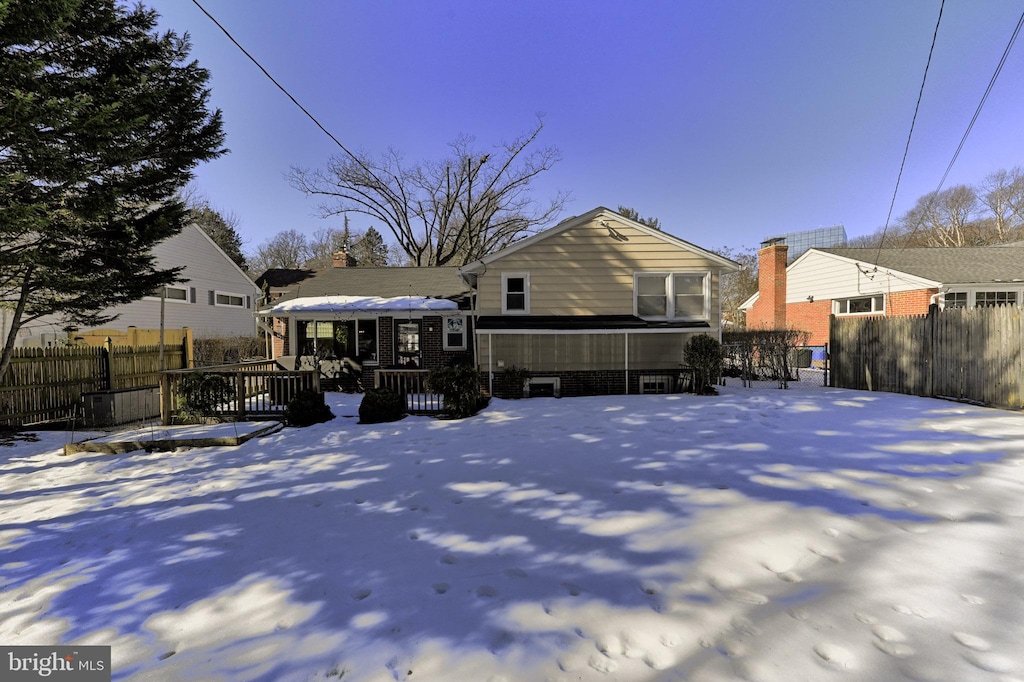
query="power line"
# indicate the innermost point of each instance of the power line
(913, 120)
(984, 97)
(970, 126)
(274, 81)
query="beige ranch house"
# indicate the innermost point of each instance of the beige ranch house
(598, 304)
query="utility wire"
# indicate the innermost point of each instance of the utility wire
(274, 81)
(977, 112)
(970, 127)
(913, 120)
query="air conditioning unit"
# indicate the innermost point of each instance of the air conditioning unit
(121, 406)
(544, 387)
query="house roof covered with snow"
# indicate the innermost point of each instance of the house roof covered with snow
(355, 304)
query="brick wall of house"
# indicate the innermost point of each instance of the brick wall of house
(811, 317)
(386, 341)
(901, 303)
(280, 336)
(769, 311)
(432, 350)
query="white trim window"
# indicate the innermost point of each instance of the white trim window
(227, 299)
(174, 294)
(672, 295)
(992, 299)
(455, 333)
(861, 305)
(515, 293)
(954, 299)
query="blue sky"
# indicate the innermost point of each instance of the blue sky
(729, 120)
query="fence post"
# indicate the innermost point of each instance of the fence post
(165, 399)
(832, 350)
(240, 395)
(929, 339)
(108, 365)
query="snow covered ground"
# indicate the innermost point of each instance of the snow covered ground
(808, 534)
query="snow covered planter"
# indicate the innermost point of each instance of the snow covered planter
(381, 405)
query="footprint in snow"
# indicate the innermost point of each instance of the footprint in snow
(486, 591)
(971, 641)
(449, 559)
(440, 588)
(573, 589)
(360, 595)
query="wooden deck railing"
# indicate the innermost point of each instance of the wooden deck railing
(411, 383)
(257, 390)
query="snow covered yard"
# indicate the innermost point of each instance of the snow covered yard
(760, 534)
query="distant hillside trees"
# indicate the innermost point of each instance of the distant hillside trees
(991, 212)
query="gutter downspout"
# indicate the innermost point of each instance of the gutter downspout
(626, 335)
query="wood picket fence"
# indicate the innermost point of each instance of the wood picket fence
(46, 384)
(968, 354)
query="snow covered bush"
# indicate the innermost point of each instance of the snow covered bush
(381, 405)
(307, 408)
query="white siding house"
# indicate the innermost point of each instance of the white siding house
(214, 298)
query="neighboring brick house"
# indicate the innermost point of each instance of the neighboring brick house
(892, 282)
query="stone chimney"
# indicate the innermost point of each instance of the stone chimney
(342, 259)
(769, 312)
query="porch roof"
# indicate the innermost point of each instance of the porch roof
(356, 304)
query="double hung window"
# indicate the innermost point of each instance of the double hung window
(672, 295)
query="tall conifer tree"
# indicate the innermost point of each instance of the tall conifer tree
(102, 121)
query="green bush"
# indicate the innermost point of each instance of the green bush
(460, 386)
(201, 395)
(704, 354)
(513, 379)
(381, 405)
(307, 408)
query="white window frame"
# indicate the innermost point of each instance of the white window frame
(996, 293)
(218, 294)
(668, 277)
(172, 300)
(445, 332)
(874, 298)
(505, 277)
(967, 302)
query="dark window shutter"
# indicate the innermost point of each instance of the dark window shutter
(191, 294)
(211, 297)
(248, 302)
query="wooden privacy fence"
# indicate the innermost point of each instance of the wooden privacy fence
(46, 384)
(248, 390)
(970, 354)
(411, 383)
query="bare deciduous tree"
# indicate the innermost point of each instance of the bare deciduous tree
(448, 212)
(286, 249)
(1002, 193)
(946, 216)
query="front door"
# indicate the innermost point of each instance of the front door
(407, 344)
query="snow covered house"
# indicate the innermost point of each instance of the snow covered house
(598, 304)
(883, 282)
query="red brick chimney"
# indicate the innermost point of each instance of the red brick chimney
(769, 312)
(341, 259)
